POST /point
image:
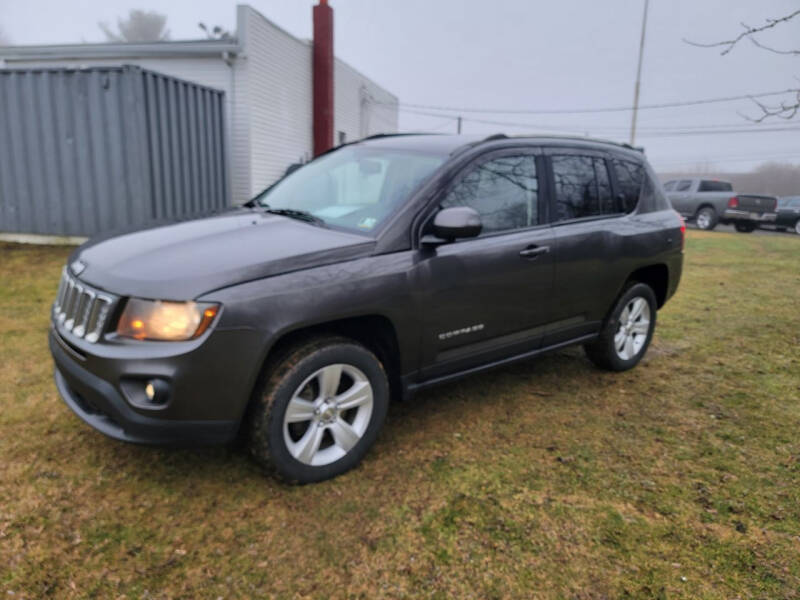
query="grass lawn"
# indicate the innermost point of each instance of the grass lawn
(547, 479)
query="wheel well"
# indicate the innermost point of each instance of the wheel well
(657, 277)
(375, 332)
(705, 205)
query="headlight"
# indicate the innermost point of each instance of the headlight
(162, 320)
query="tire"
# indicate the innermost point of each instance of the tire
(706, 218)
(317, 439)
(745, 227)
(614, 353)
(797, 227)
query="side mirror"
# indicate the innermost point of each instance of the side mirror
(456, 222)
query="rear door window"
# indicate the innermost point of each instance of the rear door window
(630, 177)
(582, 187)
(710, 185)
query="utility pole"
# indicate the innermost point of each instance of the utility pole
(458, 128)
(638, 76)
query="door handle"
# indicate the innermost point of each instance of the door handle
(533, 252)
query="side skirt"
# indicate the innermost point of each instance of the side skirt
(412, 388)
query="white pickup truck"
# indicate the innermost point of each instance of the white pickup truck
(709, 202)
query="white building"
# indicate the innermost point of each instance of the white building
(266, 74)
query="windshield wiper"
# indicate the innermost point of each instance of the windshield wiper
(292, 213)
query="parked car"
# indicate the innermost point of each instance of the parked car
(378, 269)
(709, 202)
(788, 214)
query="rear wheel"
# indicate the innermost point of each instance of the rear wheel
(627, 331)
(706, 218)
(745, 227)
(319, 411)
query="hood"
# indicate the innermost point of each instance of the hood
(182, 261)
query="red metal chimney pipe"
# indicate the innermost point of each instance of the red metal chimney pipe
(322, 66)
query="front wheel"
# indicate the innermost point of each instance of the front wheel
(319, 411)
(745, 227)
(627, 332)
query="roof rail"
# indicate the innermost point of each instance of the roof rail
(376, 136)
(577, 138)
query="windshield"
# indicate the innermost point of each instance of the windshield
(356, 187)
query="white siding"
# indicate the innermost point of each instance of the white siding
(361, 107)
(278, 73)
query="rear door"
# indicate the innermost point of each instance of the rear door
(488, 297)
(589, 226)
(681, 197)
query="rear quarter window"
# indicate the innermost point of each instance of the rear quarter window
(630, 178)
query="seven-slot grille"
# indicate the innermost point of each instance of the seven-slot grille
(81, 309)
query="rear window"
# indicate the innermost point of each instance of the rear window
(630, 176)
(710, 185)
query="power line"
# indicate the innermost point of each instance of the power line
(610, 130)
(645, 132)
(566, 111)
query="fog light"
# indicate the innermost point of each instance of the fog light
(157, 391)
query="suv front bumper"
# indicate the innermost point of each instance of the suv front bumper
(92, 387)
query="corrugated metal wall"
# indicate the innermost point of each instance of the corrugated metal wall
(87, 151)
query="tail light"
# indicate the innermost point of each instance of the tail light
(733, 202)
(683, 229)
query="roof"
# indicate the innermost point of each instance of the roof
(451, 143)
(122, 49)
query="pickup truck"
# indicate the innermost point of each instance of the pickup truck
(709, 202)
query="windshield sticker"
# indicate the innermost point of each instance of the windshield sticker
(367, 223)
(335, 211)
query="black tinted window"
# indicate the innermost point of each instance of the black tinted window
(582, 187)
(630, 176)
(683, 185)
(708, 185)
(504, 191)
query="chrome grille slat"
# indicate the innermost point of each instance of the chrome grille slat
(81, 310)
(74, 305)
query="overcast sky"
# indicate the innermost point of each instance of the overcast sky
(522, 55)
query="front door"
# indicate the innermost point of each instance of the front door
(488, 298)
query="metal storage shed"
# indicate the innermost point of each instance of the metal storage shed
(90, 150)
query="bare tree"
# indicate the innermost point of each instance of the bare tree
(139, 26)
(216, 32)
(786, 109)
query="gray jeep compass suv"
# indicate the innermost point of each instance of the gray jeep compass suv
(381, 267)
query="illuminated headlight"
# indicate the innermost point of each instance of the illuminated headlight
(166, 321)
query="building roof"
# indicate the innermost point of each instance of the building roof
(122, 50)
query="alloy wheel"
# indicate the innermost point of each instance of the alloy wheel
(633, 328)
(328, 414)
